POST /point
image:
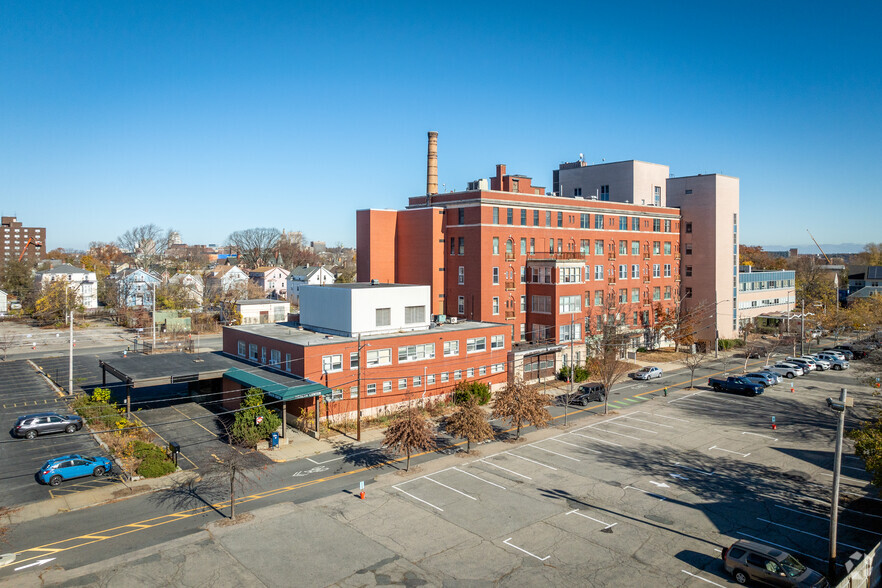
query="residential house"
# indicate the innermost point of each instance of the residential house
(271, 279)
(135, 287)
(192, 285)
(262, 310)
(306, 275)
(224, 279)
(85, 282)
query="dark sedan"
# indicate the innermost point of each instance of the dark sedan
(43, 423)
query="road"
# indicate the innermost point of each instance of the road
(686, 474)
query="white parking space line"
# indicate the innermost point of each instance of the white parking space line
(727, 451)
(702, 579)
(614, 433)
(646, 492)
(635, 428)
(605, 525)
(854, 468)
(555, 439)
(534, 446)
(630, 418)
(504, 469)
(421, 477)
(680, 465)
(596, 439)
(814, 516)
(759, 435)
(448, 487)
(525, 551)
(806, 533)
(419, 499)
(479, 478)
(784, 547)
(530, 460)
(339, 458)
(683, 397)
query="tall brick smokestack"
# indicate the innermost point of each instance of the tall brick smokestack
(432, 164)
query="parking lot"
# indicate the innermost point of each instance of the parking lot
(24, 391)
(652, 494)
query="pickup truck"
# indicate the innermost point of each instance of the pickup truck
(736, 384)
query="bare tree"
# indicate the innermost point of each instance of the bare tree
(605, 357)
(255, 247)
(7, 342)
(756, 349)
(408, 431)
(235, 468)
(146, 244)
(470, 423)
(692, 362)
(521, 404)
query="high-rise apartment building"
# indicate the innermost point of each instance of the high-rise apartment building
(15, 238)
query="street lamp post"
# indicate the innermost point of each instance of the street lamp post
(839, 407)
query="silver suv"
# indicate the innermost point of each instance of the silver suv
(837, 362)
(751, 561)
(31, 425)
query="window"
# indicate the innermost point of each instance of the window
(482, 371)
(353, 392)
(656, 293)
(523, 216)
(604, 192)
(667, 247)
(570, 304)
(523, 245)
(623, 248)
(523, 303)
(275, 357)
(656, 270)
(541, 304)
(509, 216)
(414, 314)
(497, 368)
(461, 242)
(623, 223)
(635, 271)
(635, 223)
(656, 195)
(635, 247)
(547, 218)
(495, 245)
(416, 352)
(570, 275)
(460, 276)
(470, 373)
(656, 247)
(570, 332)
(656, 225)
(461, 215)
(430, 379)
(377, 357)
(497, 342)
(509, 250)
(667, 226)
(384, 317)
(532, 245)
(667, 270)
(496, 276)
(457, 375)
(535, 218)
(687, 293)
(667, 292)
(451, 348)
(598, 272)
(598, 221)
(287, 362)
(252, 352)
(332, 363)
(496, 305)
(689, 225)
(444, 377)
(523, 274)
(551, 245)
(623, 296)
(417, 381)
(337, 394)
(495, 215)
(241, 348)
(476, 344)
(598, 247)
(584, 219)
(635, 294)
(585, 246)
(688, 271)
(560, 245)
(372, 388)
(688, 247)
(598, 298)
(402, 383)
(460, 305)
(452, 246)
(387, 386)
(560, 219)
(623, 271)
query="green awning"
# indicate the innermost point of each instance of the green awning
(291, 390)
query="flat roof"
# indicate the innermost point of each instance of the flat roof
(292, 333)
(254, 301)
(361, 285)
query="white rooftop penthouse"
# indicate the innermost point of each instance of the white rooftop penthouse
(364, 308)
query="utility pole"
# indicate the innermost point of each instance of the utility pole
(572, 374)
(70, 362)
(358, 397)
(802, 331)
(716, 329)
(153, 350)
(837, 461)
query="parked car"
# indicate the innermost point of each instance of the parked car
(750, 561)
(788, 370)
(837, 362)
(763, 378)
(776, 378)
(647, 373)
(736, 384)
(806, 364)
(42, 423)
(856, 353)
(839, 353)
(823, 364)
(66, 467)
(587, 393)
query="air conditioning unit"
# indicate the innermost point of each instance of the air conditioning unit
(452, 320)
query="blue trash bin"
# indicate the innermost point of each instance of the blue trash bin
(274, 440)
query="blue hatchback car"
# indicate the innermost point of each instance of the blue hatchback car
(72, 466)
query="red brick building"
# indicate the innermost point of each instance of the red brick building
(549, 266)
(15, 239)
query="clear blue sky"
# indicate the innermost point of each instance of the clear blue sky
(208, 117)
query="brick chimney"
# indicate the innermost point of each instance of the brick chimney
(432, 164)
